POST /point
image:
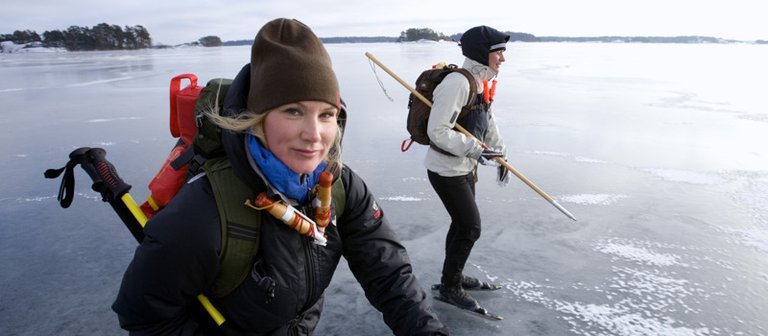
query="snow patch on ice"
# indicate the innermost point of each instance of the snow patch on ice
(635, 301)
(656, 290)
(638, 254)
(621, 321)
(589, 160)
(577, 158)
(113, 119)
(620, 318)
(686, 176)
(760, 117)
(414, 179)
(558, 154)
(117, 79)
(401, 199)
(35, 199)
(753, 237)
(593, 199)
(754, 197)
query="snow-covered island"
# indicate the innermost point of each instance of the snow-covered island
(8, 47)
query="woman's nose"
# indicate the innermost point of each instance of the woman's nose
(311, 130)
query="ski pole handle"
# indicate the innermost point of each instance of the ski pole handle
(104, 175)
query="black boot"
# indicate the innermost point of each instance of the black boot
(472, 283)
(468, 282)
(456, 296)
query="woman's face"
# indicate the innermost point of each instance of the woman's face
(301, 134)
(495, 58)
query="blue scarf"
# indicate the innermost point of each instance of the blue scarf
(282, 178)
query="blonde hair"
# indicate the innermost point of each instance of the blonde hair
(248, 121)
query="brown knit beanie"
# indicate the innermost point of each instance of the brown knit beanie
(289, 64)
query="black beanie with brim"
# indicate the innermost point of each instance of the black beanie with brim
(477, 42)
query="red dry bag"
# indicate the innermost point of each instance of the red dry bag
(172, 174)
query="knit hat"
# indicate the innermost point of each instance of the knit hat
(478, 42)
(289, 64)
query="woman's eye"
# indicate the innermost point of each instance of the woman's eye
(292, 112)
(327, 115)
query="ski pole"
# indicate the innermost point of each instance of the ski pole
(458, 127)
(114, 191)
(115, 187)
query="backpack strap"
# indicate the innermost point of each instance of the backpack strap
(338, 197)
(241, 225)
(472, 91)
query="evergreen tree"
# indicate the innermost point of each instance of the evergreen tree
(210, 41)
(143, 40)
(21, 37)
(103, 36)
(78, 38)
(415, 34)
(54, 39)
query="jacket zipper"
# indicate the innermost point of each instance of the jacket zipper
(310, 269)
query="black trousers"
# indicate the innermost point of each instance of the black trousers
(458, 196)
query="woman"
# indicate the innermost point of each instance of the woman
(285, 120)
(452, 160)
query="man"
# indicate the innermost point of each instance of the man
(452, 159)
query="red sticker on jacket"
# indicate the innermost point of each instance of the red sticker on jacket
(377, 211)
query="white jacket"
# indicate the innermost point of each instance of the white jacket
(449, 97)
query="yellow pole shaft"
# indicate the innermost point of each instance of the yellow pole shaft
(130, 203)
(134, 209)
(215, 314)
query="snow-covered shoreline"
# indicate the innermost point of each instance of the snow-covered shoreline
(8, 47)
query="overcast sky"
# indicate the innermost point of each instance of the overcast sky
(173, 21)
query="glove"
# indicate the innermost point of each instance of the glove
(488, 156)
(502, 176)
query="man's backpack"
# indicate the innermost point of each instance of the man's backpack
(418, 111)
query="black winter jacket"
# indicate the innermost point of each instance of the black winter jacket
(179, 259)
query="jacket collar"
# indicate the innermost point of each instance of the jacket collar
(480, 71)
